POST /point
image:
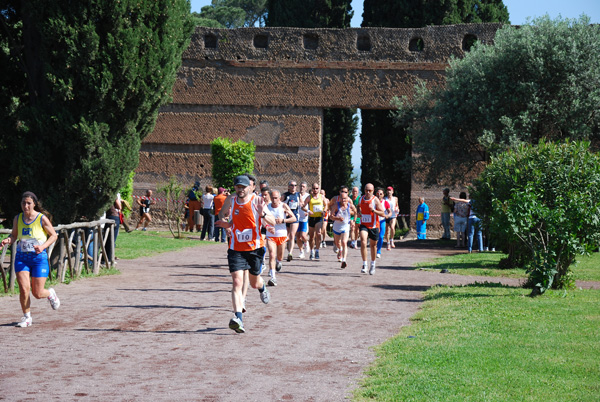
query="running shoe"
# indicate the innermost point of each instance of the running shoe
(237, 325)
(144, 230)
(393, 245)
(344, 265)
(316, 254)
(289, 258)
(265, 296)
(312, 254)
(364, 269)
(335, 249)
(272, 282)
(372, 270)
(25, 322)
(53, 299)
(301, 255)
(389, 247)
(378, 255)
(278, 266)
(323, 245)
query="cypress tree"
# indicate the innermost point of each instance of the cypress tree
(339, 125)
(81, 84)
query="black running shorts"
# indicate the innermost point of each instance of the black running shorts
(312, 222)
(246, 260)
(373, 233)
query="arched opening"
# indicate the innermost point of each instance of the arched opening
(416, 45)
(468, 42)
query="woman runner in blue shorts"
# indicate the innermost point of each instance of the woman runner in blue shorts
(33, 231)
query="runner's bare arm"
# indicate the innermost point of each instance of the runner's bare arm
(291, 218)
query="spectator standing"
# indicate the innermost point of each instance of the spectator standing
(447, 208)
(194, 205)
(114, 213)
(461, 216)
(208, 224)
(422, 217)
(219, 200)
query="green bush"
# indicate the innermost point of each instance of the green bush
(230, 159)
(544, 200)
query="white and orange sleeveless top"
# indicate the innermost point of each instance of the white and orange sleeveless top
(280, 228)
(245, 232)
(368, 218)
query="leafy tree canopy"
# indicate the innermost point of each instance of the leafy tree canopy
(80, 87)
(309, 13)
(232, 14)
(545, 199)
(417, 14)
(538, 81)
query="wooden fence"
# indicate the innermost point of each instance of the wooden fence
(73, 242)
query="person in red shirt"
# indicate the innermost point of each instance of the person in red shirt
(246, 252)
(219, 200)
(370, 209)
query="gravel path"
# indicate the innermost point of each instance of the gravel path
(159, 330)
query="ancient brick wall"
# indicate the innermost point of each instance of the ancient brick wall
(270, 85)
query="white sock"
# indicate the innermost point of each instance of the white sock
(364, 264)
(28, 315)
(372, 263)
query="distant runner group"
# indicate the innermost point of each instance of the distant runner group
(261, 220)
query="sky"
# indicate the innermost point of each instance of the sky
(519, 11)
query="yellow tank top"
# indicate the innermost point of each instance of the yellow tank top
(316, 206)
(30, 234)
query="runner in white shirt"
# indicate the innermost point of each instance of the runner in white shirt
(277, 235)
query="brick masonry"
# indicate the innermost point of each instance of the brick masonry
(269, 85)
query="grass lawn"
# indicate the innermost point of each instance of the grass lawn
(486, 264)
(492, 343)
(144, 244)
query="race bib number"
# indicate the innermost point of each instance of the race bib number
(27, 245)
(293, 205)
(365, 219)
(318, 208)
(420, 216)
(244, 236)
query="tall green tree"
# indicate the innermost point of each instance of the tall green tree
(377, 131)
(339, 125)
(539, 81)
(420, 13)
(339, 130)
(545, 199)
(80, 87)
(232, 14)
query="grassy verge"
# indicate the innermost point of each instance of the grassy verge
(486, 264)
(130, 246)
(491, 343)
(144, 244)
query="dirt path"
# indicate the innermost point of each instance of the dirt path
(159, 330)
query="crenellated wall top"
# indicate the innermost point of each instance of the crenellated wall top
(433, 44)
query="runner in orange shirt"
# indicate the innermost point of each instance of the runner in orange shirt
(246, 252)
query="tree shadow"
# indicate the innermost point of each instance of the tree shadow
(406, 288)
(173, 290)
(451, 292)
(132, 331)
(159, 306)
